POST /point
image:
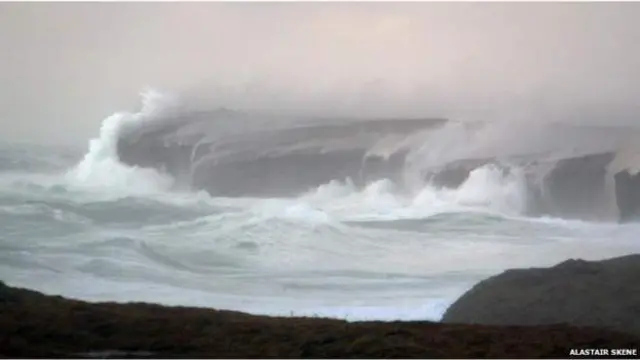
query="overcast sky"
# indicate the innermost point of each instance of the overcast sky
(64, 67)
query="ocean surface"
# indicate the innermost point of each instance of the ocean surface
(82, 224)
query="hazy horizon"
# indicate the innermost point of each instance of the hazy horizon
(66, 66)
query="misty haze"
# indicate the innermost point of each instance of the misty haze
(351, 160)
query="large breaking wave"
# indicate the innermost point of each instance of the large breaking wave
(337, 217)
(544, 169)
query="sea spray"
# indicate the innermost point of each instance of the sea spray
(101, 166)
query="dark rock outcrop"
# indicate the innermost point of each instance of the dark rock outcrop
(37, 325)
(604, 294)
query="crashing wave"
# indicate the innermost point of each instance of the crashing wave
(569, 171)
(235, 154)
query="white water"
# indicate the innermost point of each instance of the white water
(100, 230)
(101, 169)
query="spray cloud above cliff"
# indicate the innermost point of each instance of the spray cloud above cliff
(71, 65)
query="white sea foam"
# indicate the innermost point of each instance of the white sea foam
(108, 231)
(101, 169)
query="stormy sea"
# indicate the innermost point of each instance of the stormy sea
(388, 218)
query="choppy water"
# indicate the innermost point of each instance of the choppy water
(85, 225)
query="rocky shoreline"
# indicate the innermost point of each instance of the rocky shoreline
(35, 325)
(603, 294)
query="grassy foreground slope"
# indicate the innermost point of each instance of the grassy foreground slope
(37, 325)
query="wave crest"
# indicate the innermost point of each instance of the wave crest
(560, 170)
(101, 167)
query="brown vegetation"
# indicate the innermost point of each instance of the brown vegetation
(37, 325)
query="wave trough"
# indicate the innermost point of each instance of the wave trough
(363, 219)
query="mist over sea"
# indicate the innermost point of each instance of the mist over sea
(389, 245)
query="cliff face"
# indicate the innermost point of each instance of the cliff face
(37, 325)
(604, 294)
(237, 155)
(234, 154)
(627, 188)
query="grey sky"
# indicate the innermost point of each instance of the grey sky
(64, 67)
